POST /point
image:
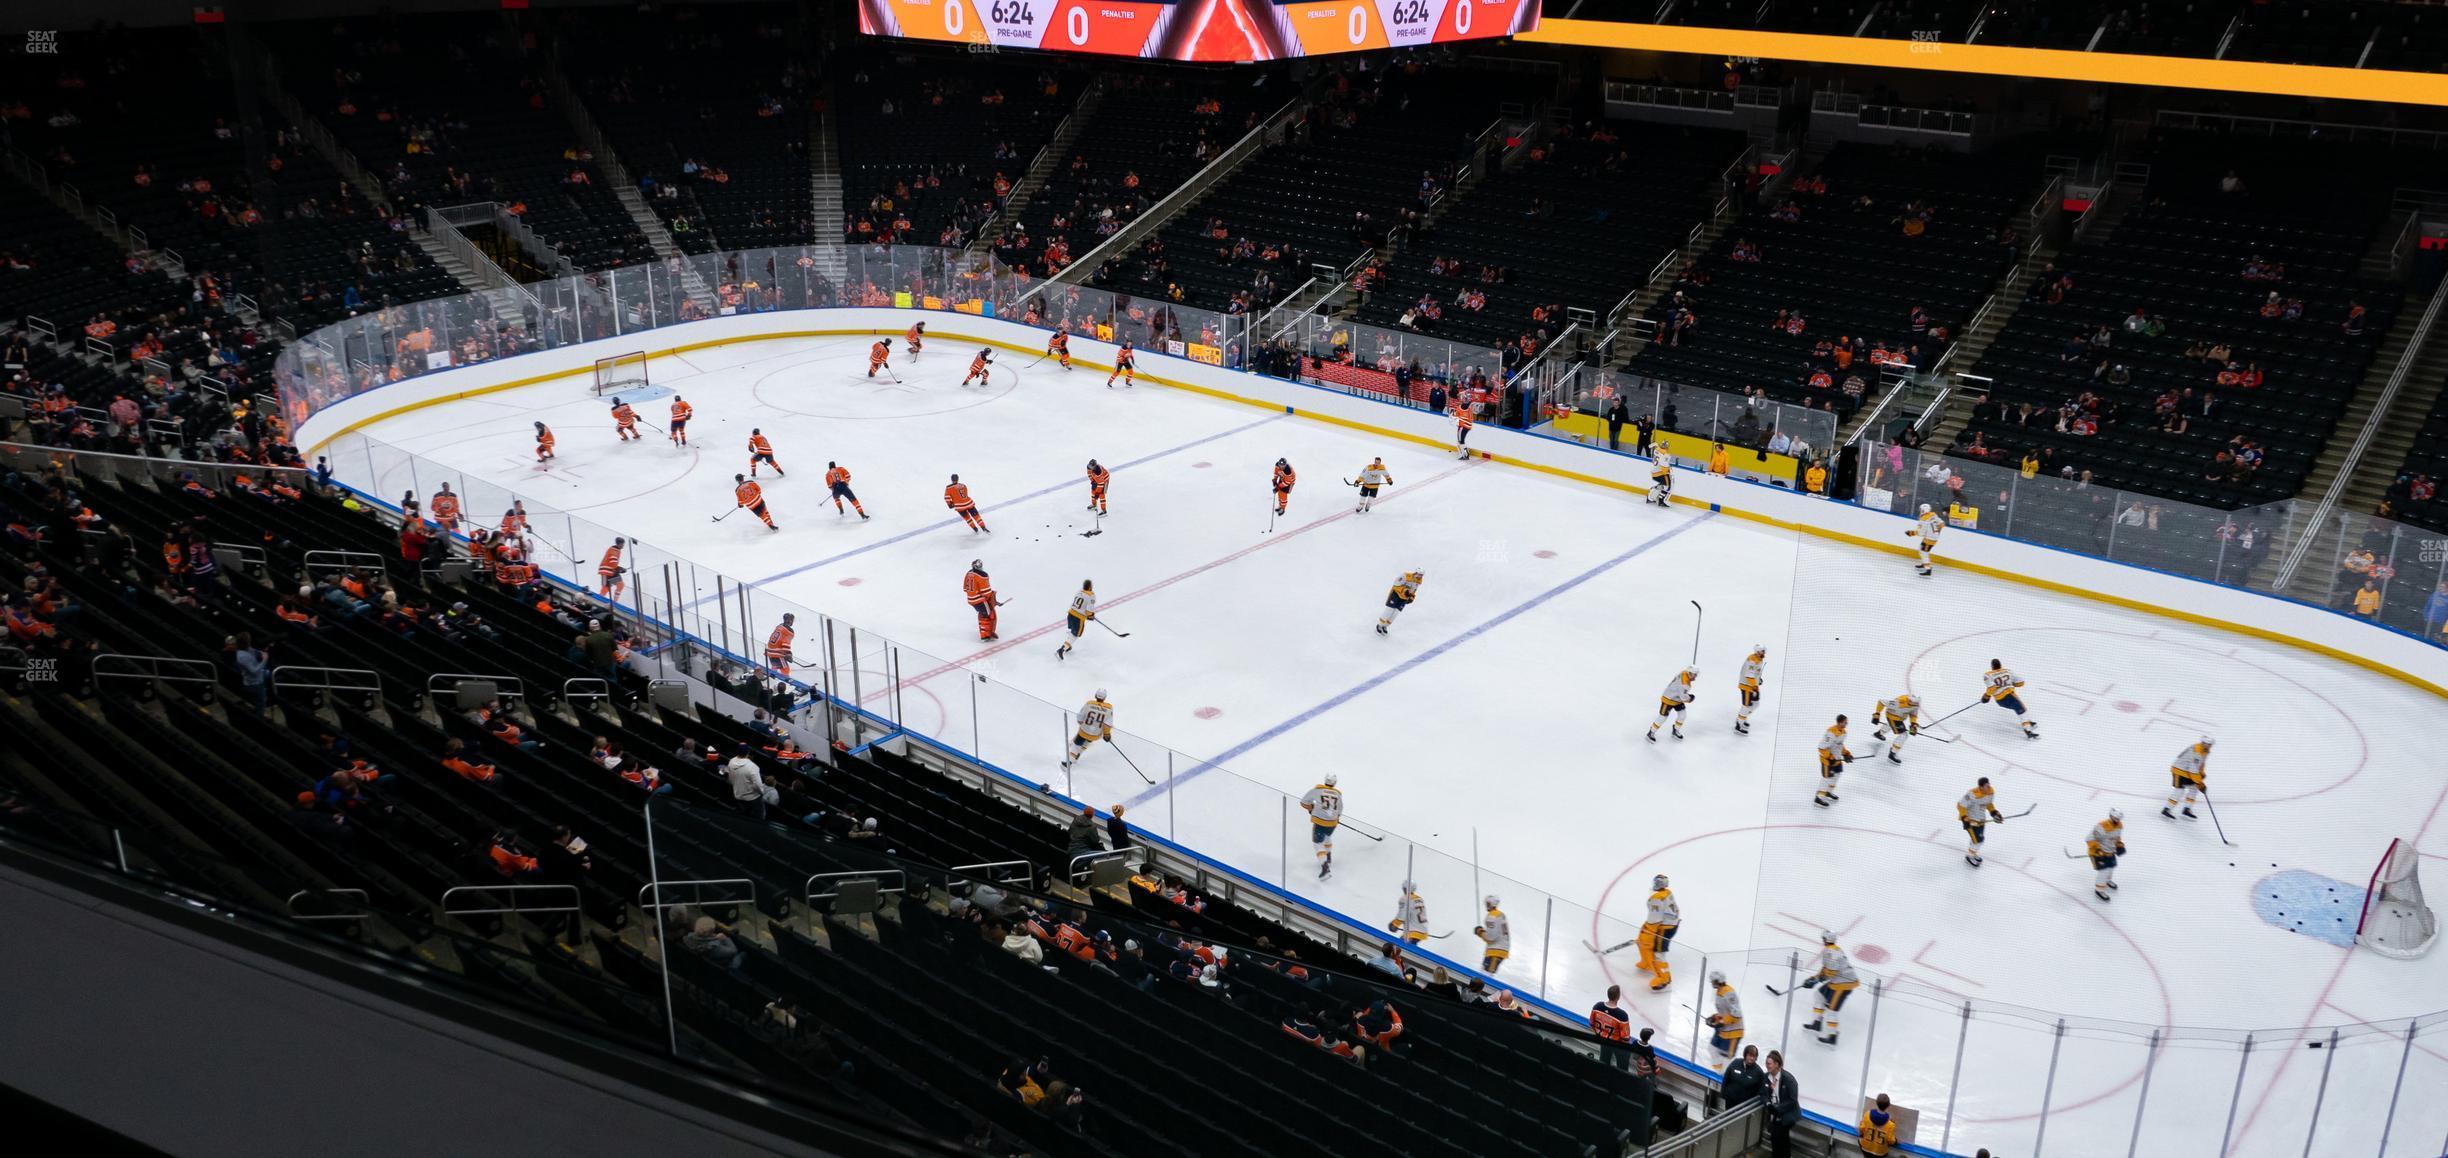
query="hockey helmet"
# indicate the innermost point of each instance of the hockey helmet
(1925, 508)
(1491, 900)
(2117, 815)
(1716, 977)
(1100, 693)
(1826, 937)
(1409, 886)
(1658, 881)
(1330, 780)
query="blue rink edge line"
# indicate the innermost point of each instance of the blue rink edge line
(1035, 494)
(1380, 679)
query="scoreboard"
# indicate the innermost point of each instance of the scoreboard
(1199, 30)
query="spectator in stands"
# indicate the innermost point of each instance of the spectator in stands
(1377, 1024)
(595, 649)
(1017, 942)
(708, 939)
(496, 721)
(1117, 834)
(1389, 962)
(1307, 1027)
(254, 667)
(1878, 1128)
(508, 858)
(748, 787)
(1743, 1079)
(564, 861)
(2367, 598)
(455, 758)
(1082, 836)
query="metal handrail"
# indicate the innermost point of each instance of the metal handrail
(1073, 869)
(2363, 439)
(515, 907)
(151, 667)
(569, 689)
(13, 660)
(988, 875)
(508, 687)
(656, 887)
(901, 886)
(340, 560)
(293, 677)
(295, 915)
(249, 554)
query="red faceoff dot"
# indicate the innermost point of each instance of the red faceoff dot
(1871, 954)
(1543, 554)
(852, 581)
(2128, 706)
(1201, 465)
(1208, 713)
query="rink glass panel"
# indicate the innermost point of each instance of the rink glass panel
(865, 685)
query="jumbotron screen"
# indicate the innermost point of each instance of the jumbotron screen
(1201, 30)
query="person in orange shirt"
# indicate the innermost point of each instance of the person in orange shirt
(752, 497)
(624, 421)
(916, 337)
(956, 496)
(760, 453)
(837, 477)
(1283, 484)
(446, 510)
(1124, 363)
(1098, 476)
(1059, 345)
(608, 572)
(514, 520)
(1462, 428)
(680, 413)
(979, 590)
(544, 443)
(876, 356)
(978, 367)
(778, 648)
(454, 758)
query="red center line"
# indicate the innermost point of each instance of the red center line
(1015, 641)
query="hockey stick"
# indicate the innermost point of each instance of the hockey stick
(1362, 831)
(653, 427)
(1271, 513)
(1110, 627)
(1134, 765)
(1951, 715)
(1618, 947)
(728, 513)
(2018, 815)
(2072, 854)
(1697, 614)
(2214, 820)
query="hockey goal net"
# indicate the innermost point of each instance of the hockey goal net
(2396, 921)
(620, 372)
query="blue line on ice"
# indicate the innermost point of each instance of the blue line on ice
(1373, 682)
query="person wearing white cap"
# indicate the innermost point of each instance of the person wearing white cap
(1925, 529)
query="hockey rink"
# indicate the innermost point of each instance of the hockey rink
(1494, 739)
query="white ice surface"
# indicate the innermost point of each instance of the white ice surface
(1505, 714)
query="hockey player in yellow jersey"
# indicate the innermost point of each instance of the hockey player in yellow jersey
(1895, 719)
(1657, 933)
(1833, 756)
(1410, 915)
(1661, 478)
(1835, 982)
(1095, 723)
(1725, 1020)
(1976, 811)
(1679, 694)
(2105, 845)
(1324, 804)
(1999, 686)
(1497, 933)
(1403, 594)
(2190, 774)
(1924, 533)
(1754, 675)
(1372, 476)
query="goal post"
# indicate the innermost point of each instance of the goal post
(620, 372)
(2397, 921)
